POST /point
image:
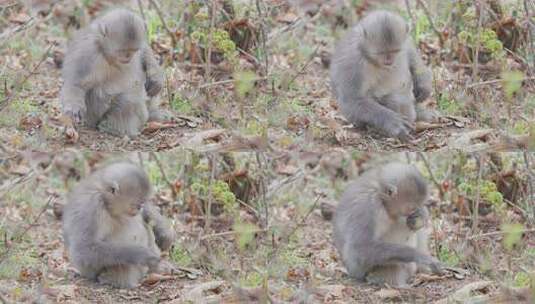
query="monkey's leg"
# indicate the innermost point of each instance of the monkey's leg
(421, 75)
(123, 276)
(98, 103)
(402, 104)
(428, 115)
(380, 253)
(163, 231)
(155, 112)
(396, 275)
(98, 255)
(127, 116)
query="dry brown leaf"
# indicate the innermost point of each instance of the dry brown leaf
(388, 294)
(154, 126)
(155, 278)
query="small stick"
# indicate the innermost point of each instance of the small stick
(431, 23)
(6, 100)
(164, 24)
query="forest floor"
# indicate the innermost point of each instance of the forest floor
(279, 103)
(287, 104)
(238, 258)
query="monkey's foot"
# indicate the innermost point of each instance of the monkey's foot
(107, 128)
(159, 115)
(427, 115)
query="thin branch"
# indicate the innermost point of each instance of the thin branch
(23, 233)
(263, 35)
(164, 175)
(531, 43)
(164, 24)
(304, 218)
(431, 175)
(431, 23)
(213, 11)
(531, 178)
(209, 236)
(411, 15)
(475, 214)
(480, 11)
(497, 233)
(9, 98)
(142, 11)
(208, 212)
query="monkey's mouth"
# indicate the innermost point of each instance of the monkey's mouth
(124, 60)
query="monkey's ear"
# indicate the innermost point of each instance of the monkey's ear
(112, 188)
(407, 28)
(390, 190)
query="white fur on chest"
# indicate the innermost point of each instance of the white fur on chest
(128, 78)
(398, 234)
(385, 81)
(128, 230)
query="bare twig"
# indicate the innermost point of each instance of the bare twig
(164, 24)
(263, 36)
(497, 233)
(494, 81)
(431, 23)
(411, 15)
(531, 177)
(31, 225)
(213, 12)
(209, 236)
(480, 12)
(431, 175)
(263, 187)
(142, 11)
(531, 43)
(208, 213)
(475, 214)
(304, 218)
(9, 98)
(303, 68)
(164, 175)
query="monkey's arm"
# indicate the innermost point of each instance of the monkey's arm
(154, 72)
(91, 243)
(163, 231)
(368, 111)
(72, 98)
(421, 75)
(79, 77)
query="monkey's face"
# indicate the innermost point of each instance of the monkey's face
(120, 203)
(121, 44)
(381, 55)
(123, 52)
(127, 194)
(403, 204)
(384, 41)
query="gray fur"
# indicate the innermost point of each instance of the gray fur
(373, 238)
(101, 92)
(112, 248)
(370, 92)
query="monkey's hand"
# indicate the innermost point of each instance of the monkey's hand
(75, 111)
(421, 91)
(142, 256)
(154, 85)
(434, 265)
(397, 126)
